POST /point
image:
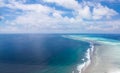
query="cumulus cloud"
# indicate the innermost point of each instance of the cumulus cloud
(1, 17)
(42, 18)
(1, 3)
(104, 26)
(70, 4)
(108, 1)
(100, 12)
(86, 9)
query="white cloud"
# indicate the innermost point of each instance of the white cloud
(30, 7)
(104, 26)
(1, 17)
(70, 4)
(100, 12)
(2, 3)
(108, 1)
(85, 12)
(41, 18)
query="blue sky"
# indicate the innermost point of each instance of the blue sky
(59, 16)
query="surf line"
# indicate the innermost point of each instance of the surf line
(81, 67)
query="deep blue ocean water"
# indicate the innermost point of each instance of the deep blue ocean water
(38, 53)
(43, 53)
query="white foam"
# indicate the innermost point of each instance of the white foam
(80, 67)
(83, 66)
(88, 57)
(92, 47)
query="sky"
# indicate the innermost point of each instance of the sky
(60, 16)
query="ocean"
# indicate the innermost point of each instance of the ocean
(41, 53)
(54, 53)
(106, 55)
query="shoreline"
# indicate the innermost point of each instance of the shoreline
(92, 58)
(89, 55)
(82, 67)
(105, 59)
